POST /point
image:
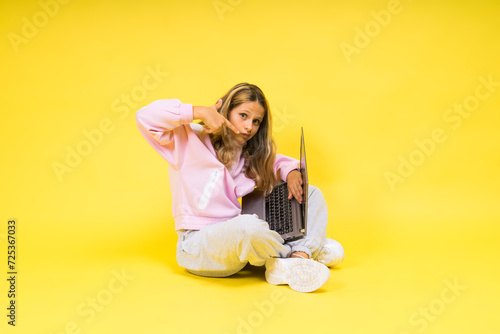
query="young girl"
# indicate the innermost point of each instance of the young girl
(213, 164)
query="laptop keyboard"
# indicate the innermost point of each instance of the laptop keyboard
(279, 209)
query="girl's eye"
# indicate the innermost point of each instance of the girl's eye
(243, 115)
(256, 122)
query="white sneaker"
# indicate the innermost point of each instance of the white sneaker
(332, 253)
(303, 275)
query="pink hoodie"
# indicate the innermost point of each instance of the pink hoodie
(203, 190)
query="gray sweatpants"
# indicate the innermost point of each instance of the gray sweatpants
(223, 249)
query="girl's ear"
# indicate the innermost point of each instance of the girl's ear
(219, 104)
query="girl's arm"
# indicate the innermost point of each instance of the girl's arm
(159, 122)
(284, 165)
(162, 116)
(288, 170)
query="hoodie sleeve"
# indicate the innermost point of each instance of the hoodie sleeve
(161, 122)
(285, 165)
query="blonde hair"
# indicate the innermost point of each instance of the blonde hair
(260, 151)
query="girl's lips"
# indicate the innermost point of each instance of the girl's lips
(246, 135)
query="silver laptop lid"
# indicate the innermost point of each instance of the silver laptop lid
(303, 171)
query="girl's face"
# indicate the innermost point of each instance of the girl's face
(246, 118)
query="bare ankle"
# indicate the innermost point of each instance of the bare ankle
(302, 255)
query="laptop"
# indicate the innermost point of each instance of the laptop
(287, 217)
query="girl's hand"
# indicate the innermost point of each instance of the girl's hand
(213, 121)
(294, 183)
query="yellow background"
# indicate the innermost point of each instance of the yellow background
(404, 245)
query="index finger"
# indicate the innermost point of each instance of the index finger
(231, 126)
(298, 196)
